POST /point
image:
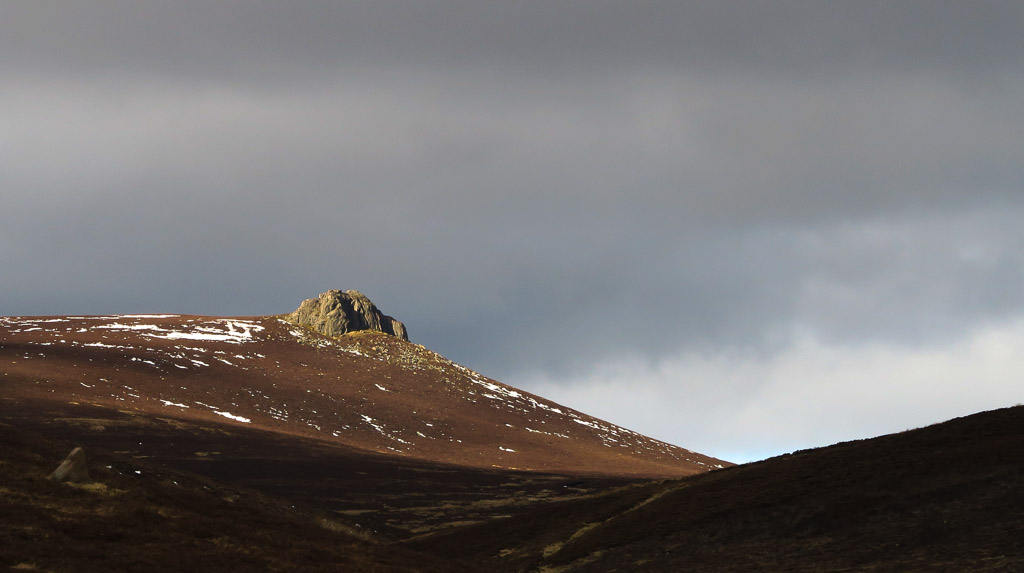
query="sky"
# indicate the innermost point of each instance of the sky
(745, 228)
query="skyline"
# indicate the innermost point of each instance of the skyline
(743, 228)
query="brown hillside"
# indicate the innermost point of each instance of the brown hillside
(224, 442)
(391, 497)
(365, 389)
(135, 517)
(942, 498)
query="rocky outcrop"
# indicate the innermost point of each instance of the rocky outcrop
(73, 468)
(337, 312)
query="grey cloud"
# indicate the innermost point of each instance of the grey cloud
(920, 282)
(526, 185)
(245, 39)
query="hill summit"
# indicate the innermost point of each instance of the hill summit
(337, 312)
(364, 388)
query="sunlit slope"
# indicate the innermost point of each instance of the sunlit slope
(365, 389)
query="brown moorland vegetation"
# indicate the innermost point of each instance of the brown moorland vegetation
(144, 520)
(227, 444)
(386, 496)
(364, 389)
(947, 497)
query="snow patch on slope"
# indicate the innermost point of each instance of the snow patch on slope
(232, 416)
(218, 330)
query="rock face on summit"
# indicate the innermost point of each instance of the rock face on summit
(336, 312)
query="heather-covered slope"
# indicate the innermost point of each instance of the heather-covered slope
(364, 389)
(388, 496)
(136, 516)
(395, 444)
(942, 498)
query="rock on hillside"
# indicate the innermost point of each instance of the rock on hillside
(336, 312)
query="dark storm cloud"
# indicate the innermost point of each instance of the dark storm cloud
(528, 185)
(232, 40)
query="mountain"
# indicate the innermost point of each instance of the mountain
(363, 388)
(306, 441)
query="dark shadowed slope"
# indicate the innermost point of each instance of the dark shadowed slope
(364, 389)
(389, 496)
(133, 517)
(949, 497)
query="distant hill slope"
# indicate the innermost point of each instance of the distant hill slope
(364, 389)
(943, 498)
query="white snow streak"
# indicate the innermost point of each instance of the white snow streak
(233, 417)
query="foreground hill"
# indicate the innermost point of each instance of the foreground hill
(136, 517)
(365, 389)
(384, 495)
(942, 498)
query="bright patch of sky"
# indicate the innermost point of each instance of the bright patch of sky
(744, 408)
